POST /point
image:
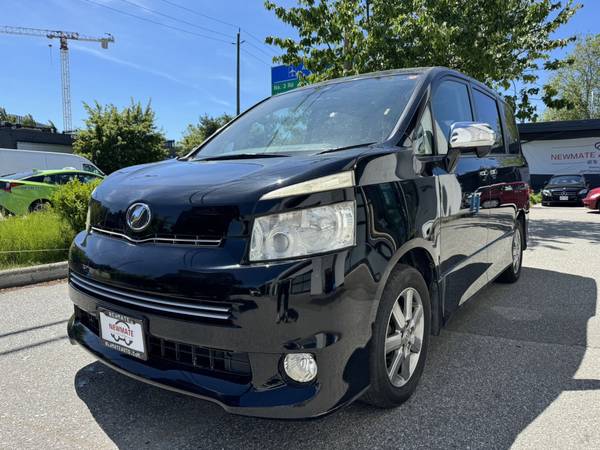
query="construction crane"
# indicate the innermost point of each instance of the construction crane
(63, 37)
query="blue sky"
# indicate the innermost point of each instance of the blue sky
(184, 75)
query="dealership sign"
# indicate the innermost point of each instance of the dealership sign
(568, 156)
(285, 78)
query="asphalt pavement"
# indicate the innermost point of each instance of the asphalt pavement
(518, 366)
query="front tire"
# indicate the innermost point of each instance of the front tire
(39, 205)
(513, 272)
(400, 339)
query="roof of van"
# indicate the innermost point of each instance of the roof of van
(430, 72)
(36, 172)
(45, 153)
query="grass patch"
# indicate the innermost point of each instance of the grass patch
(37, 238)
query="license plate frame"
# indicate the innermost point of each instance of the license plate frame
(563, 198)
(127, 334)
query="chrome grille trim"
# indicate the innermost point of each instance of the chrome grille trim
(157, 240)
(153, 303)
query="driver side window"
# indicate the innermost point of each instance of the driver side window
(450, 104)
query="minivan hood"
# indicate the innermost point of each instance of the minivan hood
(204, 198)
(218, 182)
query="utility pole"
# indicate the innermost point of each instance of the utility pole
(237, 111)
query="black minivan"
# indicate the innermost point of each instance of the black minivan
(301, 257)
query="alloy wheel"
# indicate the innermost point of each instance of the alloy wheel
(404, 336)
(516, 250)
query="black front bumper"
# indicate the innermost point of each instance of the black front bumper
(321, 306)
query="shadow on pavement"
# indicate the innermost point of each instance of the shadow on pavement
(550, 232)
(490, 373)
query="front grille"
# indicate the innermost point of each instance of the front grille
(224, 364)
(90, 321)
(195, 241)
(152, 303)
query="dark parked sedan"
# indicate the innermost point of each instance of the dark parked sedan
(565, 189)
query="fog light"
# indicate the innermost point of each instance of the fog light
(300, 367)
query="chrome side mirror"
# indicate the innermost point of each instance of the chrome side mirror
(477, 137)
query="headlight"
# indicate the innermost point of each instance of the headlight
(305, 232)
(593, 196)
(583, 192)
(546, 192)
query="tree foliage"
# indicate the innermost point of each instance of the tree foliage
(28, 121)
(5, 117)
(578, 84)
(500, 42)
(114, 139)
(195, 134)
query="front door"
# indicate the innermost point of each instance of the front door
(464, 220)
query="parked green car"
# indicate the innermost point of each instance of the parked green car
(25, 192)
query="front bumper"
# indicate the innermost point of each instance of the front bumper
(555, 199)
(320, 305)
(591, 203)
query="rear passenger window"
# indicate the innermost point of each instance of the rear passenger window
(512, 132)
(90, 168)
(486, 111)
(64, 178)
(86, 178)
(450, 104)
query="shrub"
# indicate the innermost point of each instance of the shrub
(70, 201)
(38, 238)
(534, 198)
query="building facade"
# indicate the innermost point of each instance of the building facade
(562, 148)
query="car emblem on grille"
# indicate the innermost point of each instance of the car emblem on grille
(138, 216)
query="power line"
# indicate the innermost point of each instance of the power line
(145, 19)
(199, 13)
(255, 57)
(158, 13)
(259, 49)
(260, 41)
(223, 22)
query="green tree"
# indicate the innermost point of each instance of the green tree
(500, 42)
(28, 121)
(5, 117)
(195, 134)
(114, 139)
(578, 85)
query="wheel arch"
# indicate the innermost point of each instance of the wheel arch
(420, 255)
(523, 219)
(44, 201)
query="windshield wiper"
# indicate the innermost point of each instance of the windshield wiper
(347, 147)
(242, 156)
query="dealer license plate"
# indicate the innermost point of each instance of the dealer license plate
(564, 198)
(123, 333)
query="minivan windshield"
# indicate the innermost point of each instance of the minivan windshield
(567, 179)
(316, 119)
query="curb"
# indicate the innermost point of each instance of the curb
(34, 274)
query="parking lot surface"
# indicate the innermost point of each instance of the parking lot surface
(518, 365)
